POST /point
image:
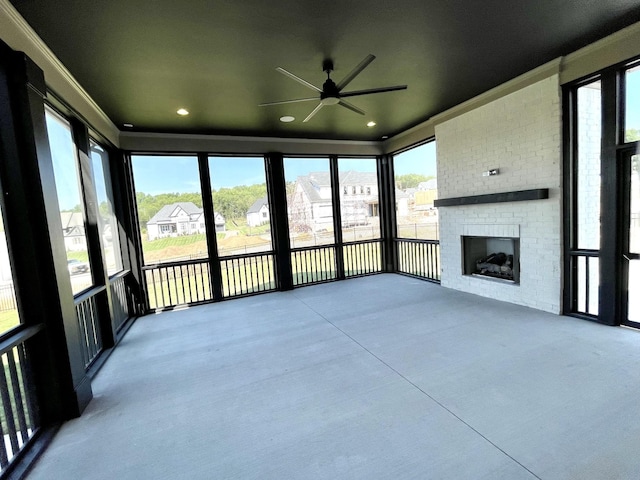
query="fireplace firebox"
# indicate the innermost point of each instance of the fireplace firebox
(492, 257)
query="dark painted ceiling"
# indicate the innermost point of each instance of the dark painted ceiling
(142, 60)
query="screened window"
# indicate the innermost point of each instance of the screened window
(239, 189)
(632, 105)
(168, 197)
(309, 202)
(359, 213)
(9, 317)
(107, 223)
(72, 215)
(589, 124)
(416, 190)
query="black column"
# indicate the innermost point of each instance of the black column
(610, 206)
(387, 212)
(210, 226)
(126, 212)
(337, 217)
(277, 190)
(92, 231)
(36, 243)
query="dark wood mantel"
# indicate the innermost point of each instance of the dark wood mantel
(519, 196)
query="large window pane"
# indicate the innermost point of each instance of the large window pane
(588, 168)
(65, 170)
(416, 189)
(634, 206)
(309, 203)
(107, 224)
(239, 190)
(359, 199)
(632, 105)
(9, 316)
(169, 200)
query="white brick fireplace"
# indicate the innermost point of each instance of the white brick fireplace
(519, 134)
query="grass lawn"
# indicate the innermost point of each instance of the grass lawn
(8, 320)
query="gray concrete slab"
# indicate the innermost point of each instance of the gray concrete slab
(373, 378)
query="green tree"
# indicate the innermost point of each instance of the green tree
(411, 180)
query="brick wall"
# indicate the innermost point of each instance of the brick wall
(521, 135)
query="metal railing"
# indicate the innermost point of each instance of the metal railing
(419, 258)
(585, 266)
(248, 273)
(362, 258)
(89, 323)
(311, 265)
(168, 285)
(120, 299)
(19, 419)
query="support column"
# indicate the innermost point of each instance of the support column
(337, 216)
(387, 211)
(36, 243)
(277, 190)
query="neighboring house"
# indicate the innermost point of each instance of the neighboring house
(73, 231)
(426, 194)
(310, 207)
(181, 218)
(258, 213)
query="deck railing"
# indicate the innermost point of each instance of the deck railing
(89, 323)
(19, 419)
(171, 284)
(312, 265)
(362, 258)
(248, 273)
(419, 258)
(121, 299)
(586, 281)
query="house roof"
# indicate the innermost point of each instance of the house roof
(71, 219)
(431, 184)
(164, 215)
(258, 204)
(220, 61)
(312, 182)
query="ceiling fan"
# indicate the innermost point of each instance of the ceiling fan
(332, 94)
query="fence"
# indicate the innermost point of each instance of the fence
(18, 414)
(121, 296)
(7, 298)
(419, 258)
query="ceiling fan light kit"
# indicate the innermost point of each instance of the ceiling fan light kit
(331, 93)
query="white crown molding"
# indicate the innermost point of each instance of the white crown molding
(177, 142)
(19, 35)
(615, 48)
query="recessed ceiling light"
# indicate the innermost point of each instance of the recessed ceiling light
(287, 119)
(384, 137)
(128, 125)
(182, 111)
(371, 124)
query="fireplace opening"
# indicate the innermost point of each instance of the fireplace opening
(492, 257)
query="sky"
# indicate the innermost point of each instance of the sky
(163, 174)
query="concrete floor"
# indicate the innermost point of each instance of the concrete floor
(383, 377)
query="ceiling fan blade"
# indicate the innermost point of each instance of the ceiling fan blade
(361, 66)
(373, 90)
(315, 110)
(298, 79)
(351, 107)
(288, 101)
